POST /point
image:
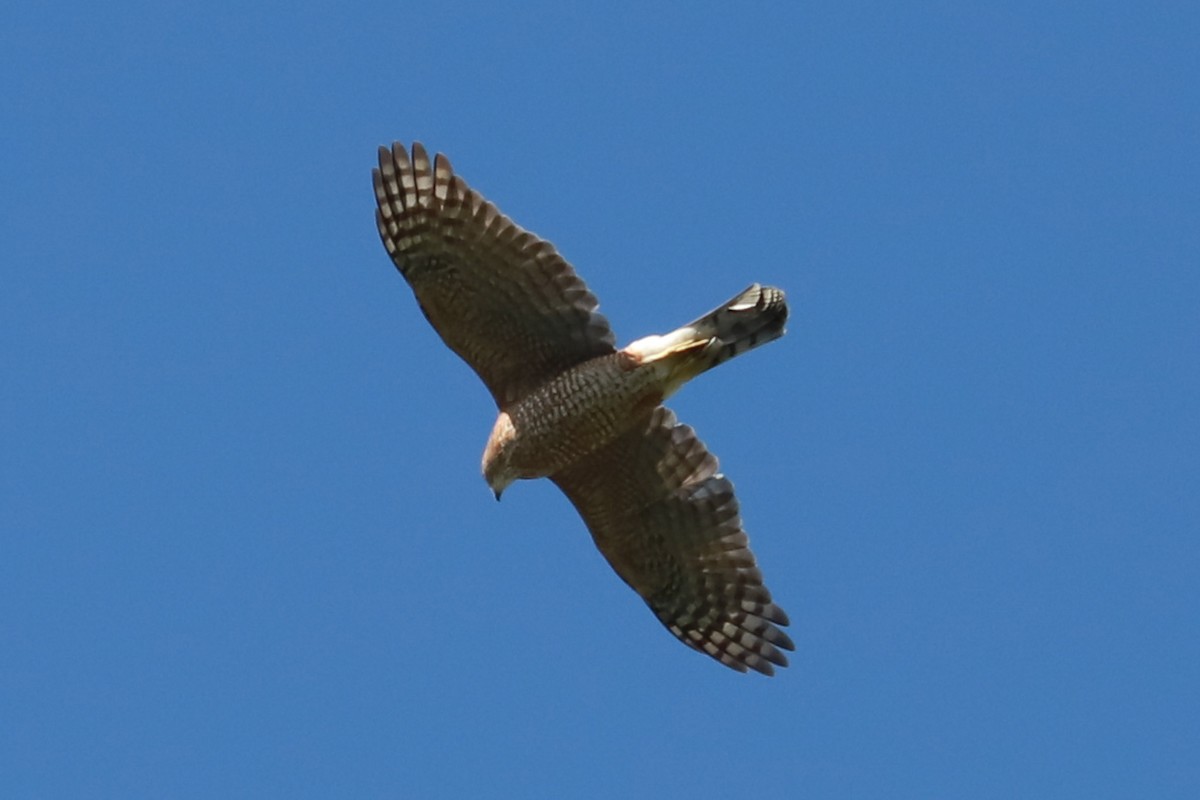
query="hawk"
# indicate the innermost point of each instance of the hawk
(575, 409)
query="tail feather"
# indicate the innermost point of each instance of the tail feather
(753, 318)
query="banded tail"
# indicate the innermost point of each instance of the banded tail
(752, 318)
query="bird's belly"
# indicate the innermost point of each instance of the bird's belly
(580, 411)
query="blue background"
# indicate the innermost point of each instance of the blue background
(246, 548)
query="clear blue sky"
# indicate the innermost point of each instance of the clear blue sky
(246, 548)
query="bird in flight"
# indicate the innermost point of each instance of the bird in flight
(575, 409)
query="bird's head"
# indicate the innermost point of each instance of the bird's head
(497, 454)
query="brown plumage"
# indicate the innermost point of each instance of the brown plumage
(575, 409)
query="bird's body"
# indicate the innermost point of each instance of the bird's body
(575, 409)
(573, 413)
(587, 406)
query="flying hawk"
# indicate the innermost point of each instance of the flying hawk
(576, 410)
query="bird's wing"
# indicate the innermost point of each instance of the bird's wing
(668, 523)
(499, 296)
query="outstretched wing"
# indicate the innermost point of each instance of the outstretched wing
(499, 296)
(668, 523)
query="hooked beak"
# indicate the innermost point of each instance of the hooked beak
(498, 486)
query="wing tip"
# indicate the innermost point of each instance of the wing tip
(752, 646)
